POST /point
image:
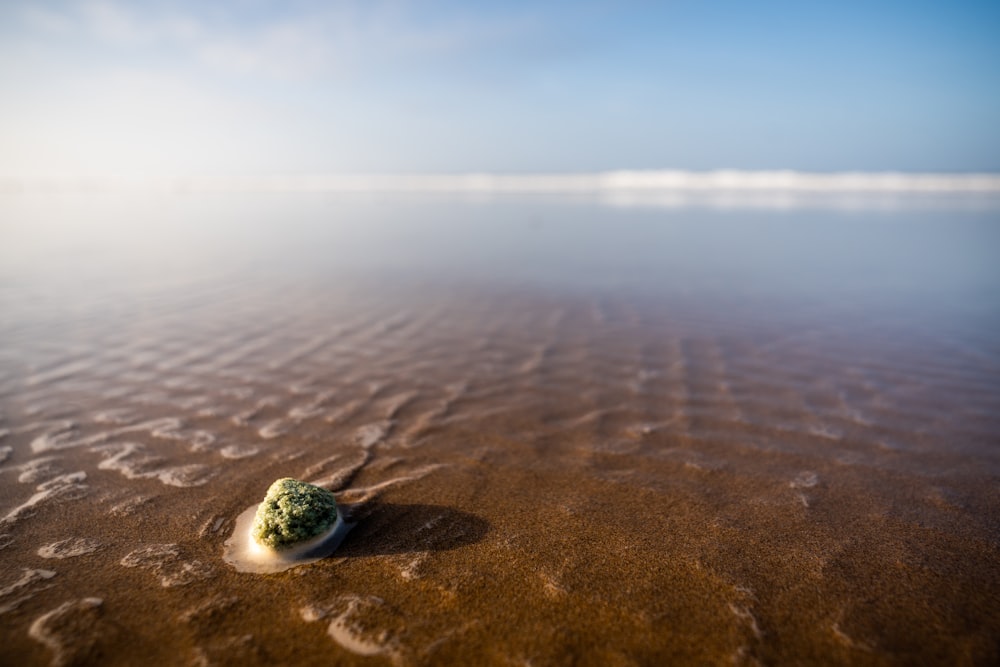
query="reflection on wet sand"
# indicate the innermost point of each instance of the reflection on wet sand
(537, 476)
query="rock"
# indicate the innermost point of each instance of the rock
(293, 512)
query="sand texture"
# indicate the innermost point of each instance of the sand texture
(538, 478)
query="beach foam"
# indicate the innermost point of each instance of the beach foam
(347, 626)
(27, 585)
(132, 461)
(166, 563)
(69, 548)
(59, 488)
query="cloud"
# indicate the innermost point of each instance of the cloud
(109, 23)
(318, 41)
(43, 20)
(292, 51)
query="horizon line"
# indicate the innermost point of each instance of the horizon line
(638, 181)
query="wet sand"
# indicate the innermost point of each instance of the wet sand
(538, 476)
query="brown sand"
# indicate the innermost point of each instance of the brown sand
(569, 434)
(537, 481)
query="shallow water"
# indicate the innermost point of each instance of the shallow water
(568, 430)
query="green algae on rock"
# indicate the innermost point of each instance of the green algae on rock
(293, 512)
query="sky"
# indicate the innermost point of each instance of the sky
(98, 87)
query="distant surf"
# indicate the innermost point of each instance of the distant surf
(720, 180)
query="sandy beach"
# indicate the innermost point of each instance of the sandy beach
(648, 472)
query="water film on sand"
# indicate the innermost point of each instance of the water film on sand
(537, 476)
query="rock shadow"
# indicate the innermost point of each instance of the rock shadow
(391, 528)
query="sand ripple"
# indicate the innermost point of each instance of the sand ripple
(23, 589)
(164, 561)
(69, 548)
(69, 631)
(542, 478)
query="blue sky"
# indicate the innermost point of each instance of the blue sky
(102, 87)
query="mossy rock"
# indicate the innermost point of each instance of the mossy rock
(293, 512)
